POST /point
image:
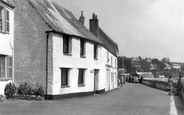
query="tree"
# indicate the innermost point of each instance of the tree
(128, 65)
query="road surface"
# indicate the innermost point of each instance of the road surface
(130, 99)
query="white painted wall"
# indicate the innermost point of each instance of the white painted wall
(74, 62)
(111, 65)
(6, 47)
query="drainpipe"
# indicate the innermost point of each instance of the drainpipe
(47, 61)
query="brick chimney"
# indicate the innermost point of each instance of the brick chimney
(82, 18)
(93, 25)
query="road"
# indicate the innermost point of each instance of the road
(130, 99)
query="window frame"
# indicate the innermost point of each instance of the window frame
(81, 76)
(4, 67)
(67, 44)
(4, 20)
(82, 48)
(8, 67)
(67, 70)
(95, 51)
(7, 21)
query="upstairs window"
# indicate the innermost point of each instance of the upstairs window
(7, 22)
(107, 57)
(111, 61)
(95, 51)
(67, 44)
(115, 63)
(82, 48)
(1, 18)
(4, 20)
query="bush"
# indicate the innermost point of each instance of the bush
(24, 89)
(39, 91)
(10, 90)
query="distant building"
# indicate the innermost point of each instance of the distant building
(176, 65)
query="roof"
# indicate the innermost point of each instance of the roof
(8, 4)
(109, 44)
(61, 20)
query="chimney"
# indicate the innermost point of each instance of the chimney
(82, 18)
(93, 25)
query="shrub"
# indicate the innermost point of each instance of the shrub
(39, 91)
(31, 91)
(10, 90)
(24, 89)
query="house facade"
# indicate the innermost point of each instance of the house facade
(110, 54)
(6, 43)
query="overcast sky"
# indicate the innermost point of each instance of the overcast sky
(146, 28)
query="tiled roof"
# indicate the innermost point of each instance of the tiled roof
(109, 44)
(62, 20)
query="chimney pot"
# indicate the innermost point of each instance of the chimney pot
(82, 18)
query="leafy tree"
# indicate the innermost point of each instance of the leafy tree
(128, 65)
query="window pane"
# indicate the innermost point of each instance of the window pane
(66, 44)
(81, 76)
(7, 26)
(2, 66)
(7, 15)
(64, 76)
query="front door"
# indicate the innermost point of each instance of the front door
(107, 79)
(96, 79)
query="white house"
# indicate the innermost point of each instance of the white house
(109, 55)
(54, 50)
(6, 43)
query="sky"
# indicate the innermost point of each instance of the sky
(146, 28)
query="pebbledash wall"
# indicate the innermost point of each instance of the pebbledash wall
(30, 45)
(7, 45)
(74, 62)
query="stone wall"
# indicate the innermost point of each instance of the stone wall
(163, 86)
(30, 45)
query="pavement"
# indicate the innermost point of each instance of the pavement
(129, 99)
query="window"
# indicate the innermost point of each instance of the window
(4, 20)
(95, 51)
(2, 66)
(10, 67)
(6, 69)
(7, 22)
(115, 63)
(111, 61)
(64, 76)
(81, 76)
(82, 48)
(1, 18)
(67, 44)
(107, 57)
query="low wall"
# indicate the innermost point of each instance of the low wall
(162, 85)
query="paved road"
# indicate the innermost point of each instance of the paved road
(130, 99)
